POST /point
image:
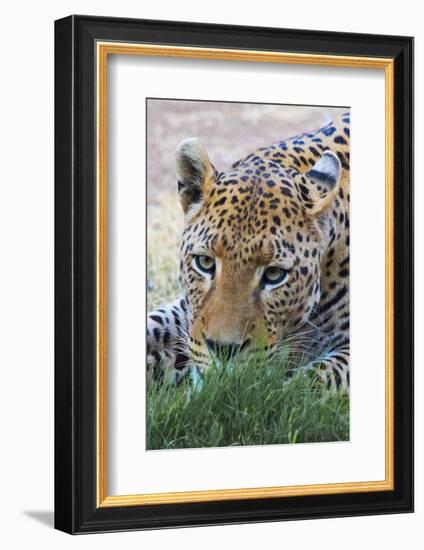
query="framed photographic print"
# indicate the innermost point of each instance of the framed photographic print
(233, 266)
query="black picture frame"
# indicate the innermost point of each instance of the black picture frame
(76, 510)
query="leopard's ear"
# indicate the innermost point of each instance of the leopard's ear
(321, 183)
(193, 170)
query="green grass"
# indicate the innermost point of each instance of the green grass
(246, 404)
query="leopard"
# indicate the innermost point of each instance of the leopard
(264, 258)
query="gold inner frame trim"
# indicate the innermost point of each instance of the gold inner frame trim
(104, 49)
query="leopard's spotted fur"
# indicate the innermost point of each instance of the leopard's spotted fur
(285, 205)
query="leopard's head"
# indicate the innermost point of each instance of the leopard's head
(251, 248)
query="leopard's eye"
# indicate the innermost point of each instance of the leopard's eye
(205, 265)
(274, 276)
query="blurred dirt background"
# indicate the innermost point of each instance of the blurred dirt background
(228, 131)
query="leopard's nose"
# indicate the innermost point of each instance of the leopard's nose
(225, 350)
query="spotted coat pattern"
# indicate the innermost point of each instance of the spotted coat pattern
(284, 205)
